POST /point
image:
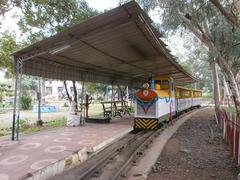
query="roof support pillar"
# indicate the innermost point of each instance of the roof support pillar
(39, 97)
(18, 66)
(82, 107)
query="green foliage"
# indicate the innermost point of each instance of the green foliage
(207, 19)
(51, 16)
(7, 46)
(26, 102)
(210, 21)
(27, 128)
(29, 83)
(5, 90)
(39, 19)
(4, 6)
(24, 124)
(208, 95)
(95, 88)
(56, 123)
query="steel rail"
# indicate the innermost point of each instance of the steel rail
(138, 151)
(114, 152)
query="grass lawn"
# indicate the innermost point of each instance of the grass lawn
(26, 129)
(95, 110)
(29, 118)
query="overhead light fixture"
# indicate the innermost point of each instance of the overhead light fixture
(59, 49)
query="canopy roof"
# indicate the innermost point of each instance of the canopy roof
(120, 46)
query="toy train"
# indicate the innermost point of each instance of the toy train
(160, 100)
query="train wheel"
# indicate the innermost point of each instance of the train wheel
(136, 130)
(160, 125)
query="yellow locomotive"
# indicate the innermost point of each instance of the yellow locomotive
(160, 100)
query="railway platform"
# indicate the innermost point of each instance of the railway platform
(43, 154)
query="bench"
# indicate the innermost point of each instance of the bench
(115, 108)
(119, 108)
(108, 108)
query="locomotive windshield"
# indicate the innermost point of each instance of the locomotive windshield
(164, 84)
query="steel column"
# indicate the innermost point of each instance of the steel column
(18, 66)
(82, 108)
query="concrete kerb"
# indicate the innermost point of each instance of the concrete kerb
(143, 168)
(101, 146)
(73, 160)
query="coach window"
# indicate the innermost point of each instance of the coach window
(178, 92)
(182, 93)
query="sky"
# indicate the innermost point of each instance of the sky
(102, 4)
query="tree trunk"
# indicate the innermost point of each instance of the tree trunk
(75, 93)
(65, 86)
(216, 85)
(237, 77)
(121, 92)
(231, 82)
(43, 87)
(225, 68)
(82, 96)
(233, 20)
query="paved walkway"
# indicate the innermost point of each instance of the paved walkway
(37, 151)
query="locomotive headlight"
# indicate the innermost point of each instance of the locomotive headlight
(145, 93)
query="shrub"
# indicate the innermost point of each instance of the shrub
(24, 124)
(26, 102)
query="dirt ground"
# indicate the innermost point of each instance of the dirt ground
(196, 151)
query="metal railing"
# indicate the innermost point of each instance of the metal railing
(229, 122)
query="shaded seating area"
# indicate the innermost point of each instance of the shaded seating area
(115, 108)
(118, 47)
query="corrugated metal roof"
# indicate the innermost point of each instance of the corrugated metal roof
(120, 46)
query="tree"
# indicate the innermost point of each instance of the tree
(75, 93)
(8, 45)
(96, 89)
(43, 18)
(230, 16)
(5, 90)
(207, 24)
(194, 59)
(203, 35)
(51, 16)
(28, 84)
(4, 6)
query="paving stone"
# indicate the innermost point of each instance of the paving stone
(34, 152)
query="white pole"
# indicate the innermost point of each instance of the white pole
(82, 109)
(127, 95)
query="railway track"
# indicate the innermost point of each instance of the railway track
(116, 160)
(118, 165)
